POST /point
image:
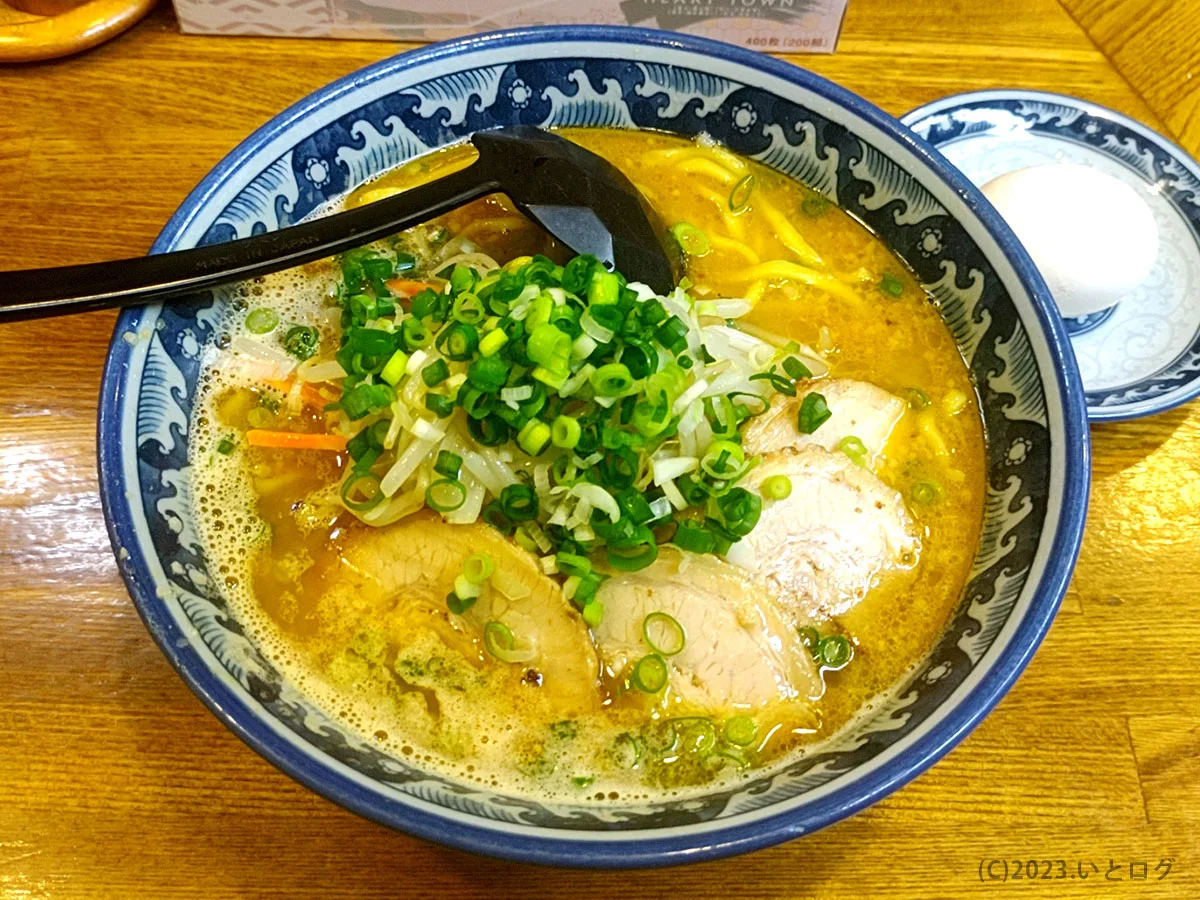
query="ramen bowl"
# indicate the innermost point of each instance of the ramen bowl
(984, 285)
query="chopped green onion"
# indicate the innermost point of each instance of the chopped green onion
(834, 651)
(462, 278)
(663, 634)
(634, 505)
(539, 311)
(494, 516)
(810, 637)
(694, 537)
(458, 341)
(891, 285)
(741, 730)
(693, 241)
(603, 288)
(740, 510)
(593, 613)
(477, 404)
(639, 357)
(815, 206)
(549, 348)
(854, 448)
(781, 384)
(445, 495)
(814, 412)
(672, 334)
(573, 564)
(917, 398)
(534, 437)
(468, 308)
(492, 342)
(490, 431)
(448, 464)
(619, 468)
(627, 750)
(577, 273)
(414, 334)
(435, 373)
(632, 558)
(262, 320)
(361, 308)
(565, 432)
(925, 492)
(361, 492)
(612, 380)
(652, 312)
(301, 341)
(723, 460)
(585, 594)
(651, 419)
(650, 674)
(519, 502)
(459, 605)
(498, 640)
(424, 303)
(225, 446)
(776, 487)
(394, 370)
(550, 377)
(371, 342)
(441, 406)
(464, 589)
(796, 369)
(478, 567)
(740, 195)
(488, 373)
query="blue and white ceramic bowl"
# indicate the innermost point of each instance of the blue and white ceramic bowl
(989, 293)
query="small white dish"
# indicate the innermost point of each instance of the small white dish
(1141, 356)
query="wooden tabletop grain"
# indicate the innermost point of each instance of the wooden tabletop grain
(115, 782)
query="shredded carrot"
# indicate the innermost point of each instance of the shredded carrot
(308, 392)
(408, 288)
(295, 440)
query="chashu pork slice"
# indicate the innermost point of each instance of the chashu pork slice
(858, 409)
(396, 579)
(740, 652)
(822, 548)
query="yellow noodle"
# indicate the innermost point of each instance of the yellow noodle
(373, 196)
(788, 235)
(657, 157)
(679, 154)
(738, 247)
(732, 222)
(727, 159)
(503, 223)
(755, 291)
(697, 166)
(782, 270)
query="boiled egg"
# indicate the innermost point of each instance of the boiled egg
(1092, 236)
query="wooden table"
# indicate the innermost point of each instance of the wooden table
(116, 782)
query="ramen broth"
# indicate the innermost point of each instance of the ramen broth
(417, 681)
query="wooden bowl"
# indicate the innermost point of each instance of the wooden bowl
(46, 29)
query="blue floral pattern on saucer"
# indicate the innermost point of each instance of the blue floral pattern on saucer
(1142, 356)
(992, 300)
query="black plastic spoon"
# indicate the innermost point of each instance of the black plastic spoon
(578, 197)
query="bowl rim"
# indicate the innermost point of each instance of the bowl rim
(552, 849)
